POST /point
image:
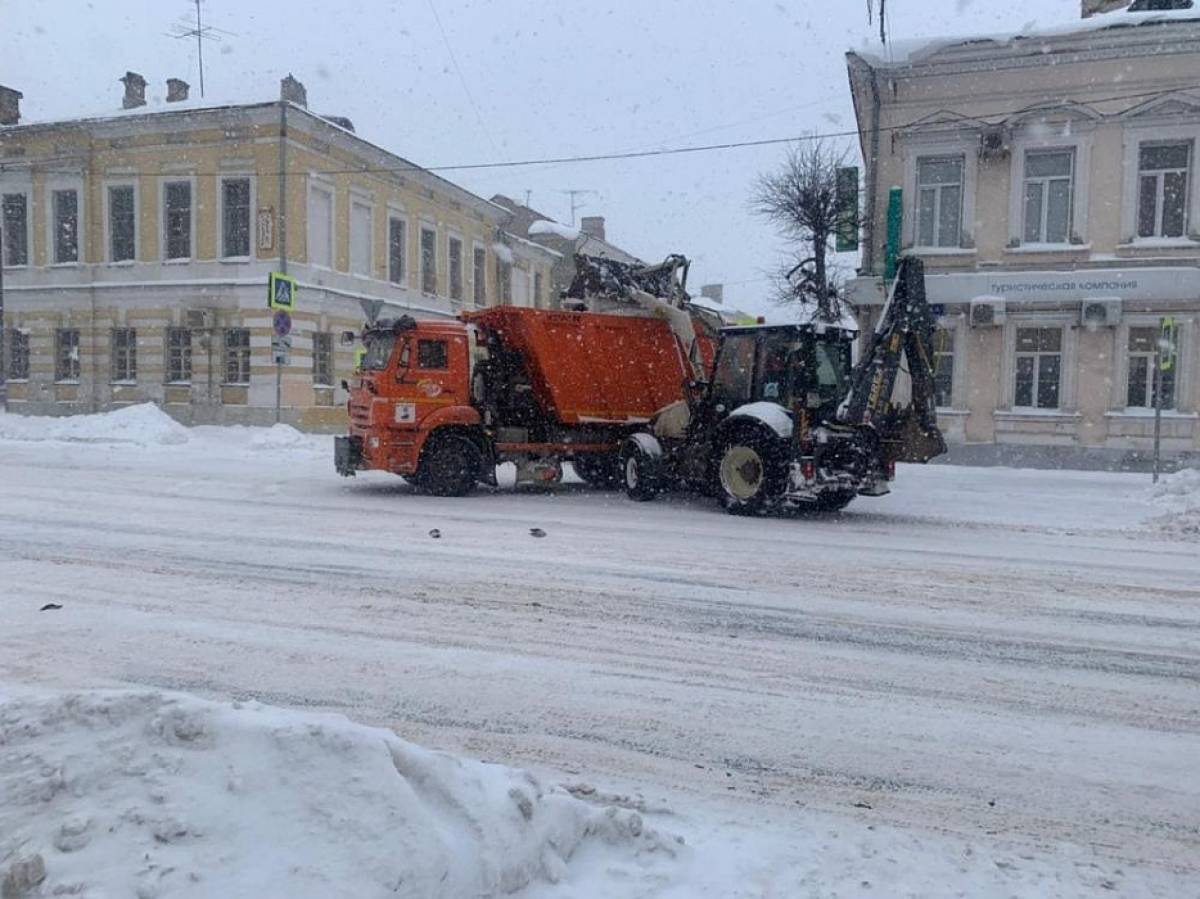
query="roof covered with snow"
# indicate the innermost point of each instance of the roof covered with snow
(898, 54)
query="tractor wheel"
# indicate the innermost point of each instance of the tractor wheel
(749, 473)
(598, 471)
(450, 466)
(641, 472)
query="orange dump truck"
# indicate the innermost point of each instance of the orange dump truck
(444, 402)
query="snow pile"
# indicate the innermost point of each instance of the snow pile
(152, 795)
(143, 425)
(279, 437)
(546, 226)
(1178, 497)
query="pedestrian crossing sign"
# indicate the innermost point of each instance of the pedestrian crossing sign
(281, 292)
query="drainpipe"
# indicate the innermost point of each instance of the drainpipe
(283, 198)
(872, 178)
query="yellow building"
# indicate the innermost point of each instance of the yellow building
(137, 248)
(1049, 182)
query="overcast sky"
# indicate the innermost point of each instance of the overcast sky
(543, 78)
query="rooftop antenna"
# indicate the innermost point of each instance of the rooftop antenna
(201, 32)
(882, 18)
(575, 205)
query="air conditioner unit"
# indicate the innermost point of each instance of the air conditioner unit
(993, 142)
(987, 313)
(1102, 313)
(200, 319)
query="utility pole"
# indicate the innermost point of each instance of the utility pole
(283, 138)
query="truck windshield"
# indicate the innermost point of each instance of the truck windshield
(379, 350)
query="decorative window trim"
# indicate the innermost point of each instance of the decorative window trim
(174, 178)
(364, 201)
(479, 296)
(317, 184)
(399, 213)
(1022, 143)
(462, 266)
(106, 184)
(968, 148)
(20, 183)
(1068, 379)
(423, 226)
(65, 182)
(1183, 373)
(957, 326)
(1134, 137)
(234, 175)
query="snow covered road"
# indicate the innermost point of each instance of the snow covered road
(1000, 667)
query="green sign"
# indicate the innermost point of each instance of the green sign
(847, 206)
(281, 292)
(895, 224)
(1168, 345)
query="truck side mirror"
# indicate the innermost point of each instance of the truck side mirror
(345, 385)
(347, 338)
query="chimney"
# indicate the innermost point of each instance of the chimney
(292, 91)
(177, 90)
(714, 292)
(135, 90)
(592, 225)
(10, 106)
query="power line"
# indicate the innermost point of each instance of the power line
(641, 154)
(461, 78)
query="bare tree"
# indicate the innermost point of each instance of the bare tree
(801, 200)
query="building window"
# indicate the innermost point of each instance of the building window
(66, 225)
(1163, 172)
(177, 219)
(320, 227)
(479, 276)
(122, 224)
(504, 278)
(235, 217)
(456, 268)
(179, 355)
(939, 201)
(237, 356)
(428, 260)
(323, 359)
(943, 368)
(1145, 376)
(1039, 368)
(18, 355)
(123, 353)
(66, 354)
(1048, 196)
(16, 229)
(360, 238)
(397, 250)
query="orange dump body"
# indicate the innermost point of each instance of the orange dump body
(593, 369)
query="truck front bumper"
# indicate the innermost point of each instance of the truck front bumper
(347, 455)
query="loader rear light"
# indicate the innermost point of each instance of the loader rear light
(808, 469)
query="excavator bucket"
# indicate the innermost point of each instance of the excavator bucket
(910, 439)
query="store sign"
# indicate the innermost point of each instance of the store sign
(1129, 285)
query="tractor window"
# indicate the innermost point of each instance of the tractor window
(832, 369)
(734, 374)
(379, 350)
(433, 354)
(782, 359)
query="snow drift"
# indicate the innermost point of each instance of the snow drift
(1178, 497)
(154, 795)
(143, 425)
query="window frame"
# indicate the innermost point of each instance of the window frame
(184, 353)
(1160, 188)
(1044, 183)
(428, 273)
(251, 217)
(938, 188)
(15, 353)
(243, 359)
(122, 358)
(323, 352)
(478, 274)
(442, 342)
(327, 188)
(164, 221)
(460, 294)
(397, 217)
(938, 353)
(957, 140)
(74, 368)
(109, 185)
(360, 201)
(1037, 355)
(1158, 129)
(24, 190)
(52, 192)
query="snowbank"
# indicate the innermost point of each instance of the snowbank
(143, 425)
(279, 436)
(152, 795)
(1177, 496)
(546, 226)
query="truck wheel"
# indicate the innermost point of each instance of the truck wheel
(450, 466)
(598, 471)
(749, 474)
(641, 473)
